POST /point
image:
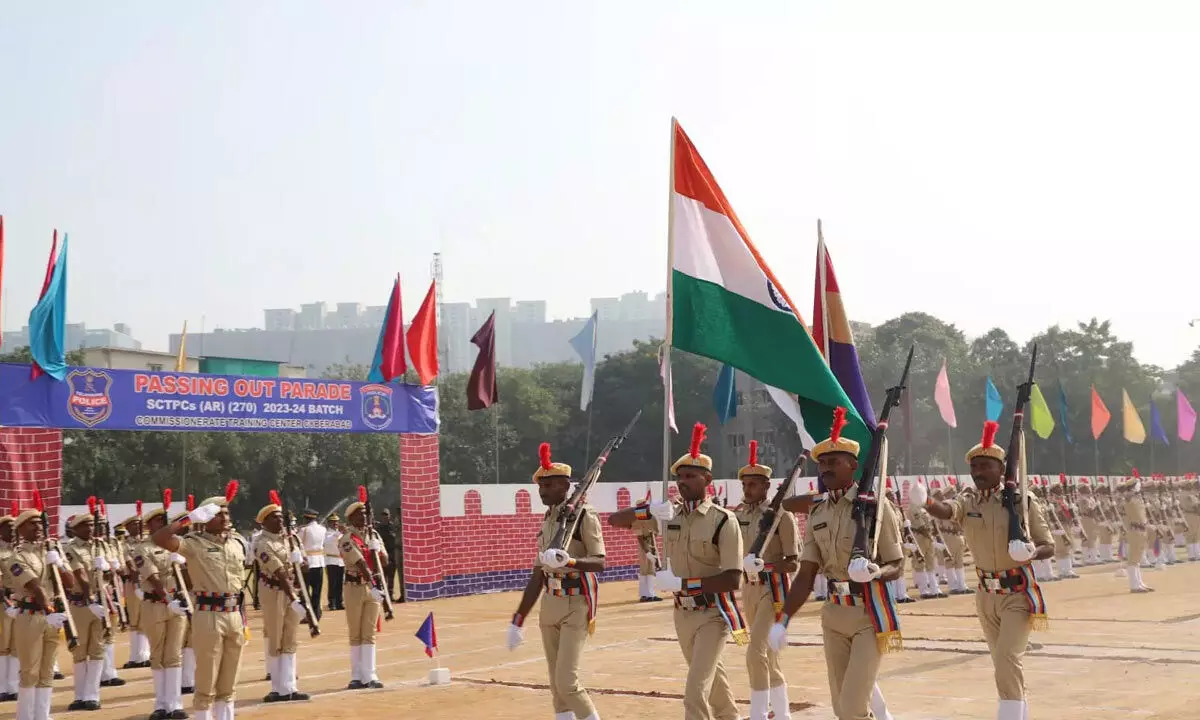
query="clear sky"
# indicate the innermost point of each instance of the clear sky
(1014, 164)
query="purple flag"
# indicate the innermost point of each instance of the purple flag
(1186, 416)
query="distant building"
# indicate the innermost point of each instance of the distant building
(283, 319)
(77, 336)
(115, 358)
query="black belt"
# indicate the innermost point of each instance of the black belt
(851, 587)
(218, 602)
(269, 582)
(701, 601)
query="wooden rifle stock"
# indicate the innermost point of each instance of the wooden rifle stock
(56, 586)
(377, 574)
(1014, 493)
(297, 573)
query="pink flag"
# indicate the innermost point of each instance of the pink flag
(941, 396)
(1186, 416)
(663, 360)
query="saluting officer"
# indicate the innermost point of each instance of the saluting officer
(36, 627)
(129, 542)
(646, 532)
(703, 546)
(1008, 599)
(163, 616)
(363, 600)
(10, 668)
(282, 610)
(87, 566)
(215, 563)
(566, 581)
(768, 578)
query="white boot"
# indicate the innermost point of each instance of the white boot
(94, 667)
(1141, 582)
(187, 676)
(355, 663)
(368, 664)
(5, 688)
(564, 716)
(760, 701)
(272, 664)
(79, 680)
(41, 704)
(220, 710)
(878, 705)
(202, 715)
(172, 698)
(14, 673)
(902, 584)
(1132, 574)
(160, 690)
(25, 703)
(1011, 710)
(287, 676)
(780, 703)
(110, 665)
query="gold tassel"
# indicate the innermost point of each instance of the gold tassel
(889, 642)
(778, 608)
(741, 637)
(591, 627)
(1039, 622)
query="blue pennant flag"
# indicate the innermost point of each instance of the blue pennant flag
(995, 405)
(584, 345)
(1062, 413)
(725, 395)
(1156, 426)
(428, 635)
(47, 322)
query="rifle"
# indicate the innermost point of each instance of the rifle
(181, 589)
(117, 587)
(568, 516)
(769, 522)
(866, 504)
(56, 583)
(1014, 492)
(907, 534)
(293, 545)
(98, 585)
(373, 555)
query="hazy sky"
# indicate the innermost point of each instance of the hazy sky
(1018, 164)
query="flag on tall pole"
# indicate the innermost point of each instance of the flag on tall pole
(1100, 415)
(727, 304)
(35, 370)
(482, 391)
(941, 396)
(48, 321)
(664, 362)
(994, 403)
(181, 357)
(422, 339)
(388, 363)
(1135, 431)
(1041, 420)
(584, 344)
(1156, 427)
(832, 334)
(725, 394)
(1062, 413)
(1185, 416)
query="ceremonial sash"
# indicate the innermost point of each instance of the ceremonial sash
(780, 584)
(364, 551)
(591, 594)
(1037, 603)
(881, 608)
(727, 605)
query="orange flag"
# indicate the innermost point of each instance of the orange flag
(1100, 415)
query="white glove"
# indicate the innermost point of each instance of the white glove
(862, 570)
(375, 545)
(1058, 532)
(752, 564)
(1021, 551)
(53, 558)
(555, 558)
(515, 637)
(907, 524)
(298, 608)
(295, 557)
(141, 594)
(178, 559)
(176, 607)
(204, 513)
(12, 612)
(777, 638)
(98, 611)
(376, 595)
(666, 581)
(939, 546)
(918, 495)
(664, 511)
(100, 563)
(911, 547)
(56, 620)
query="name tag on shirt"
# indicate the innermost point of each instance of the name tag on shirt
(820, 526)
(975, 515)
(744, 523)
(674, 527)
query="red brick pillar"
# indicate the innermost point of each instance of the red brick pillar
(421, 516)
(31, 459)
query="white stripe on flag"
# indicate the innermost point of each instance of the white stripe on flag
(791, 408)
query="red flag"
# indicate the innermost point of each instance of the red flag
(1100, 414)
(35, 371)
(481, 386)
(422, 338)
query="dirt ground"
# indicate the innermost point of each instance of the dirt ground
(1108, 654)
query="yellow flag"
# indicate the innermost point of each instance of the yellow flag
(1040, 417)
(1135, 431)
(181, 360)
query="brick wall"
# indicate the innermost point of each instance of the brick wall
(31, 458)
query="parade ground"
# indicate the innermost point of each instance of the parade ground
(1108, 654)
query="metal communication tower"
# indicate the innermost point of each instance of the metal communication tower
(435, 269)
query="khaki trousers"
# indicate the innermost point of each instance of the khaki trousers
(218, 639)
(957, 547)
(1193, 532)
(1091, 528)
(762, 663)
(37, 643)
(930, 563)
(7, 642)
(1136, 540)
(279, 622)
(91, 635)
(851, 660)
(564, 625)
(1105, 534)
(362, 612)
(1062, 546)
(133, 605)
(1006, 625)
(164, 629)
(702, 635)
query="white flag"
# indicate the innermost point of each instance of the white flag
(585, 346)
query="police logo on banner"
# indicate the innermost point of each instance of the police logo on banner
(89, 401)
(376, 406)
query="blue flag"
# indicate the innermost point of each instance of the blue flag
(1062, 413)
(47, 322)
(1156, 426)
(428, 635)
(725, 395)
(995, 405)
(585, 346)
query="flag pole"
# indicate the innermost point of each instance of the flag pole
(821, 273)
(667, 335)
(496, 438)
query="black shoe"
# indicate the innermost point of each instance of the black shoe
(355, 685)
(158, 715)
(58, 675)
(274, 697)
(373, 685)
(115, 682)
(177, 715)
(296, 696)
(91, 705)
(187, 690)
(131, 665)
(76, 705)
(655, 598)
(268, 676)
(8, 697)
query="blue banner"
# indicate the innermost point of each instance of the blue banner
(104, 399)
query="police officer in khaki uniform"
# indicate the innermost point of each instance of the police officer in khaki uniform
(567, 583)
(215, 563)
(858, 621)
(767, 579)
(1135, 524)
(956, 547)
(703, 546)
(281, 608)
(10, 668)
(36, 626)
(163, 616)
(129, 539)
(925, 564)
(87, 566)
(1189, 502)
(1008, 599)
(646, 532)
(362, 597)
(187, 679)
(1089, 518)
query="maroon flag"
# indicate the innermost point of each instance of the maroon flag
(481, 387)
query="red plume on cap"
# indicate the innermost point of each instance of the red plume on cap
(191, 503)
(103, 509)
(231, 491)
(990, 428)
(1062, 478)
(91, 503)
(273, 496)
(1135, 473)
(37, 502)
(544, 455)
(753, 452)
(138, 505)
(839, 422)
(698, 431)
(362, 494)
(167, 499)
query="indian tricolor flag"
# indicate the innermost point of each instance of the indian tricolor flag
(727, 305)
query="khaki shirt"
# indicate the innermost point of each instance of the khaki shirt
(150, 560)
(689, 541)
(829, 537)
(6, 551)
(214, 562)
(985, 525)
(922, 521)
(29, 561)
(350, 553)
(1134, 513)
(587, 543)
(270, 550)
(782, 545)
(1190, 504)
(81, 556)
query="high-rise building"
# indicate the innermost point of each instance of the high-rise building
(530, 311)
(347, 315)
(312, 316)
(454, 335)
(504, 317)
(279, 320)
